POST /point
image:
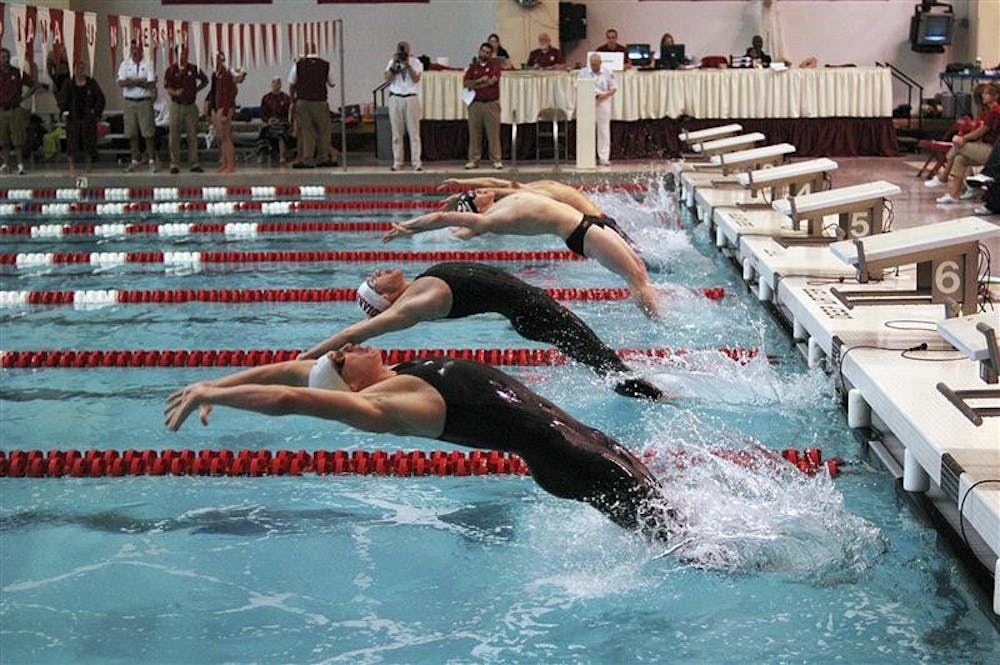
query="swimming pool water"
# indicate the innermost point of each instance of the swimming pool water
(779, 567)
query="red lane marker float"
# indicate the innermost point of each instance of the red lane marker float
(258, 357)
(810, 461)
(172, 296)
(218, 228)
(291, 257)
(133, 462)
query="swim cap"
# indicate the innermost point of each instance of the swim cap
(324, 375)
(370, 302)
(467, 202)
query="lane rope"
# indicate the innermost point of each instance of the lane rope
(176, 296)
(523, 357)
(179, 229)
(105, 259)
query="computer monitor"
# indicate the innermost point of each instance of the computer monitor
(639, 55)
(671, 56)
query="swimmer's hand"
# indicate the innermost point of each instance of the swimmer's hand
(182, 403)
(447, 183)
(396, 231)
(449, 203)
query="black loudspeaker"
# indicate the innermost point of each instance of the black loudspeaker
(572, 21)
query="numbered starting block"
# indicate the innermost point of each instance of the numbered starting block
(800, 178)
(754, 158)
(947, 259)
(976, 337)
(859, 209)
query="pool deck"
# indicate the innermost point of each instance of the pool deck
(895, 401)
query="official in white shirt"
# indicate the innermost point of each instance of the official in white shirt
(605, 88)
(138, 83)
(403, 72)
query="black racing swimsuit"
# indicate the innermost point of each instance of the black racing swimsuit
(489, 409)
(575, 239)
(477, 288)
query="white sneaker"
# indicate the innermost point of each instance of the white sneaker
(968, 194)
(132, 167)
(983, 211)
(946, 199)
(933, 182)
(472, 165)
(603, 162)
(3, 169)
(20, 169)
(979, 180)
(498, 165)
(152, 166)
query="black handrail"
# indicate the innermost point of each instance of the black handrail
(910, 83)
(381, 89)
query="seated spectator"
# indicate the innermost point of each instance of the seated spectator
(756, 52)
(545, 56)
(973, 149)
(81, 101)
(499, 52)
(667, 60)
(275, 108)
(612, 46)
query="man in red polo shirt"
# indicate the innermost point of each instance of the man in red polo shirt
(545, 56)
(12, 125)
(310, 77)
(483, 77)
(182, 81)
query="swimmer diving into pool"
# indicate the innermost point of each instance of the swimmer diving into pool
(459, 289)
(525, 213)
(451, 400)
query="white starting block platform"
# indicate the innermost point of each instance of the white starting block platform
(707, 199)
(731, 224)
(770, 262)
(795, 176)
(691, 181)
(942, 446)
(859, 208)
(946, 255)
(754, 158)
(728, 144)
(709, 134)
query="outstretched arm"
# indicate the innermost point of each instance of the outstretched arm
(437, 220)
(395, 318)
(477, 182)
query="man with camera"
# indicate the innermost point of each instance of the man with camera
(403, 73)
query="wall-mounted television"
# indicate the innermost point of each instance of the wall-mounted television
(931, 27)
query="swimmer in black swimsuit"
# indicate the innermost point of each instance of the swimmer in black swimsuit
(459, 289)
(456, 401)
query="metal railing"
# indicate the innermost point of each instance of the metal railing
(910, 84)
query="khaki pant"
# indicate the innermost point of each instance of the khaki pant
(313, 121)
(138, 116)
(183, 117)
(404, 116)
(974, 153)
(484, 116)
(12, 129)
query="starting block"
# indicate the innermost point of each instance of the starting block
(946, 255)
(728, 144)
(798, 177)
(976, 337)
(754, 158)
(709, 134)
(867, 199)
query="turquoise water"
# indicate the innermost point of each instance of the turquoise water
(777, 566)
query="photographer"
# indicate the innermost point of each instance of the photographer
(403, 73)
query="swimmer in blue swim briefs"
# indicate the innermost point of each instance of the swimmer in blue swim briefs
(525, 213)
(451, 400)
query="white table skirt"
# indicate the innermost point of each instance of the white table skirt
(853, 92)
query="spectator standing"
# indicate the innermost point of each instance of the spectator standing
(275, 109)
(309, 79)
(403, 72)
(183, 81)
(57, 67)
(224, 83)
(13, 128)
(138, 84)
(611, 45)
(545, 56)
(604, 89)
(81, 101)
(483, 78)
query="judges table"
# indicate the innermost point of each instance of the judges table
(847, 92)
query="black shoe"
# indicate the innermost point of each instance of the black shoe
(197, 169)
(303, 165)
(328, 163)
(174, 170)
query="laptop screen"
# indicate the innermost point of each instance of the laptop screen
(639, 55)
(672, 56)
